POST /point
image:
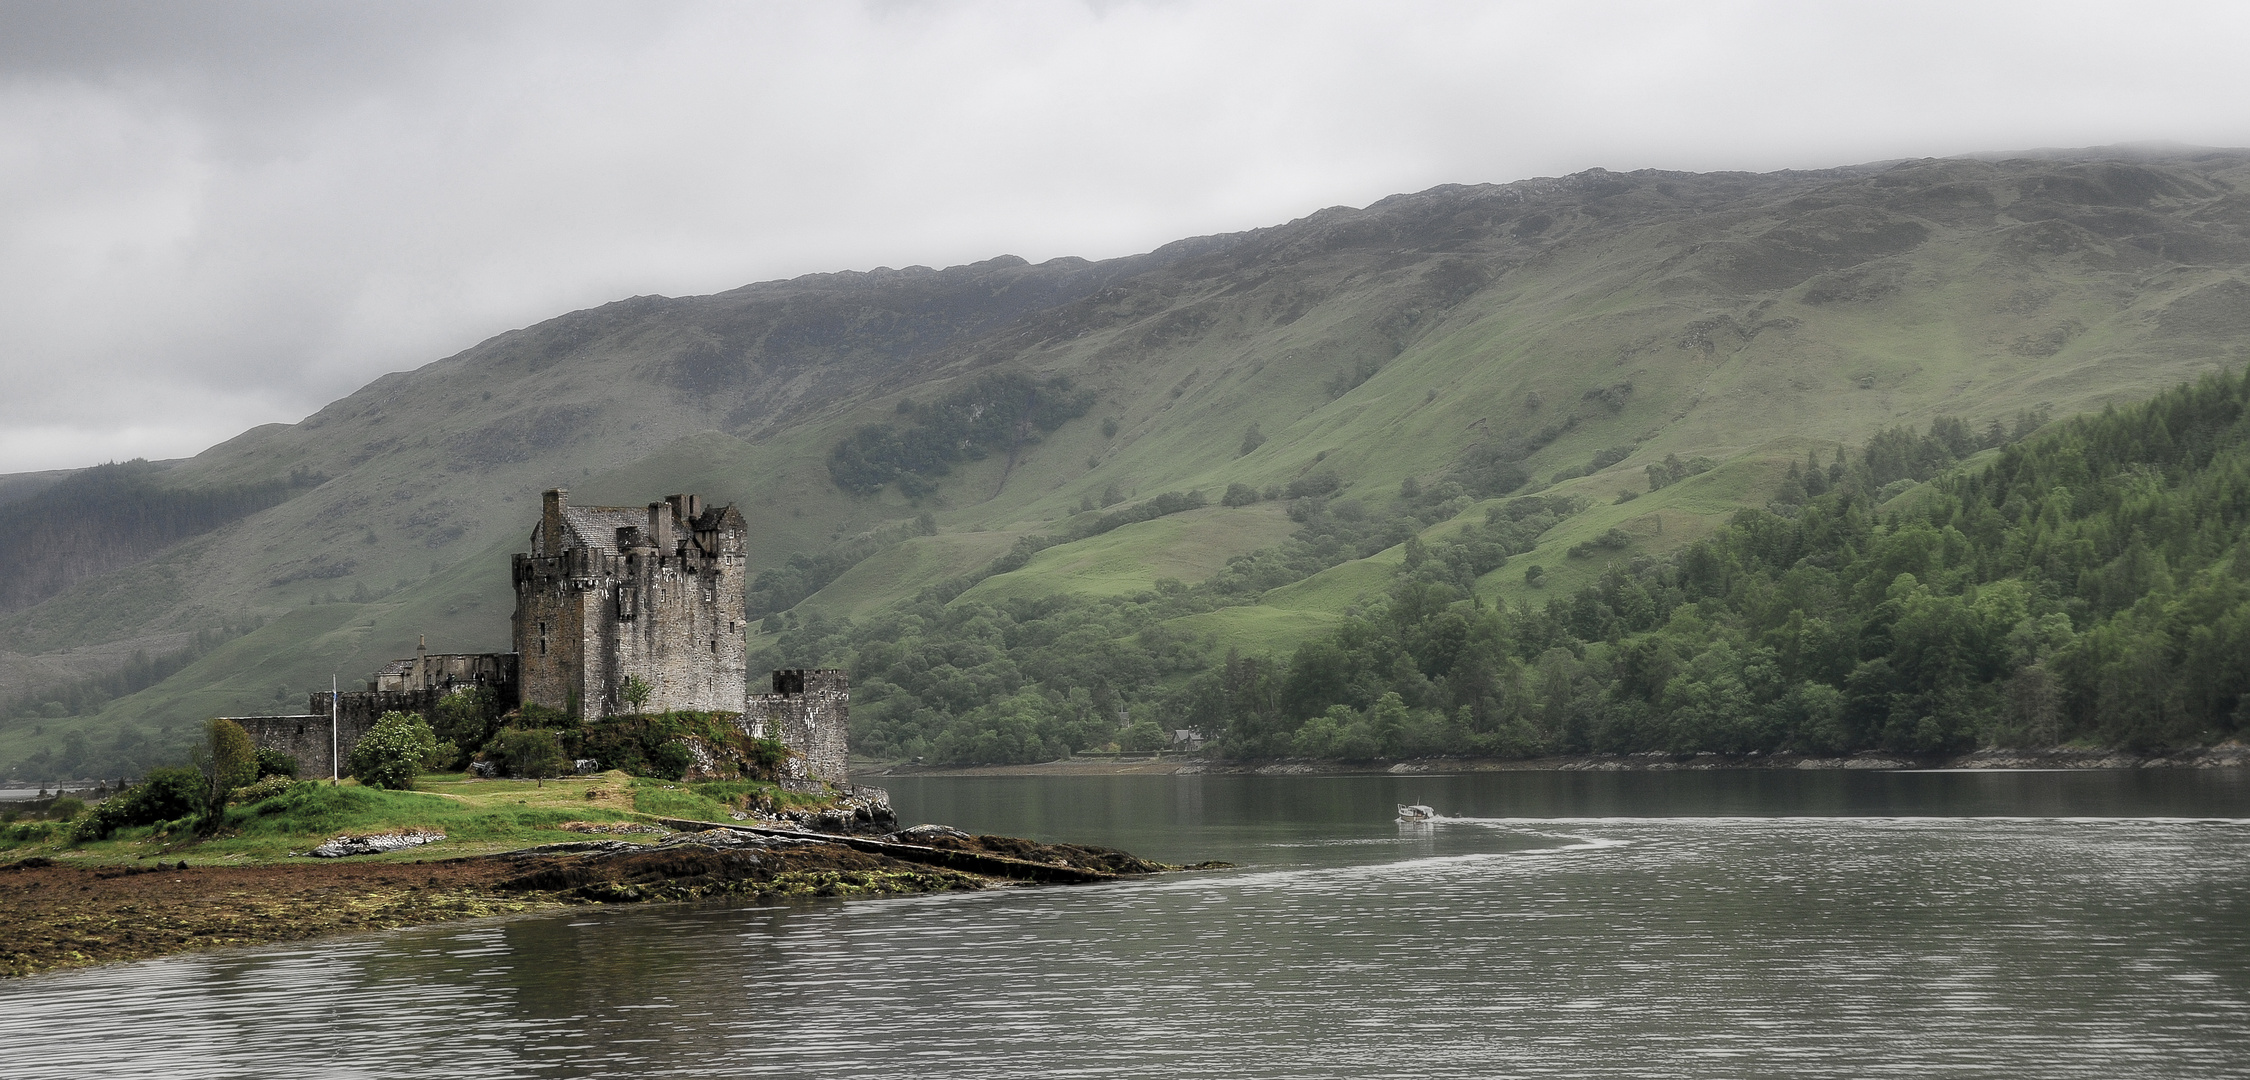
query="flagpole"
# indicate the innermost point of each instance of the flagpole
(335, 753)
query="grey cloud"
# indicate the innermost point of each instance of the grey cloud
(221, 214)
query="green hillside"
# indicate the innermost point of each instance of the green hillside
(1556, 335)
(1923, 594)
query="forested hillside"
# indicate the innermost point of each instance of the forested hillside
(99, 519)
(1472, 378)
(2089, 584)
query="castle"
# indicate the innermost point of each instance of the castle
(618, 610)
(621, 609)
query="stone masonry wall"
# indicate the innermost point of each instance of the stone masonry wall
(551, 629)
(810, 712)
(305, 736)
(683, 637)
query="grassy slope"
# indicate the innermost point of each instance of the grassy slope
(1187, 547)
(1756, 318)
(477, 817)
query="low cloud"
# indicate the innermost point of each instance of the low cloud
(213, 216)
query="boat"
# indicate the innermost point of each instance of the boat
(1416, 812)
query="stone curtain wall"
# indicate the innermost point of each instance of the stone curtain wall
(305, 737)
(810, 712)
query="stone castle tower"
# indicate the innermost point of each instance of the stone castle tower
(611, 593)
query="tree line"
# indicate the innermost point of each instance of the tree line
(2088, 584)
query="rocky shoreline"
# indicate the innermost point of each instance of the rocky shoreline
(61, 916)
(2222, 756)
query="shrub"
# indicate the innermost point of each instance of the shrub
(532, 753)
(264, 788)
(1143, 735)
(392, 754)
(635, 743)
(275, 763)
(1319, 484)
(167, 793)
(671, 760)
(1612, 540)
(66, 808)
(1239, 495)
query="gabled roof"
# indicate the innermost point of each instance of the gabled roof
(595, 527)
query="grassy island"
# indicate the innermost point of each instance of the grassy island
(495, 847)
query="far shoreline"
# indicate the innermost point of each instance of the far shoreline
(2223, 756)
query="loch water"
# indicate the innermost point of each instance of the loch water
(1696, 924)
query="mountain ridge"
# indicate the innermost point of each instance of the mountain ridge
(1741, 316)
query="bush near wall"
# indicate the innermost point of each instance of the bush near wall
(655, 744)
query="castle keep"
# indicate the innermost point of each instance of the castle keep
(612, 593)
(618, 610)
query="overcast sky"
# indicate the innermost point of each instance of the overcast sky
(216, 215)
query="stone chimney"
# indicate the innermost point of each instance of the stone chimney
(551, 522)
(660, 527)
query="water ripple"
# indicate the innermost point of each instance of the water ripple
(1497, 946)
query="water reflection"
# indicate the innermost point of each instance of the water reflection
(1547, 925)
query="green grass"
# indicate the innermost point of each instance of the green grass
(905, 568)
(712, 800)
(477, 816)
(1256, 630)
(1659, 522)
(1338, 587)
(1186, 547)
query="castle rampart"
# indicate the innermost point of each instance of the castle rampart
(810, 712)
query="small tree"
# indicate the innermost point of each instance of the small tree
(635, 691)
(466, 718)
(534, 753)
(392, 754)
(229, 760)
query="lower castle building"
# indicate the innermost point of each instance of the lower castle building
(618, 610)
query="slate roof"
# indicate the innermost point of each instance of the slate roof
(595, 527)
